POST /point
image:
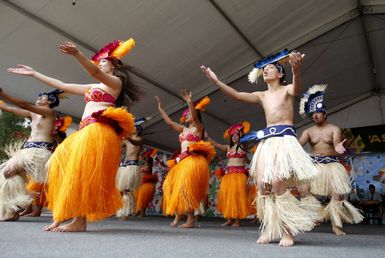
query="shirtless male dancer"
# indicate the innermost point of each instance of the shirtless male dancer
(129, 176)
(279, 158)
(327, 147)
(27, 163)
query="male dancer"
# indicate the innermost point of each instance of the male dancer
(279, 159)
(128, 177)
(326, 144)
(28, 162)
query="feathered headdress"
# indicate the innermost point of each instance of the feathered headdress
(115, 49)
(62, 124)
(199, 105)
(312, 100)
(150, 152)
(139, 122)
(277, 59)
(243, 128)
(53, 96)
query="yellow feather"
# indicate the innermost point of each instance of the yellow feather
(123, 49)
(203, 103)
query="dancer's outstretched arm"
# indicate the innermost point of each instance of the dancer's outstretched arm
(222, 147)
(227, 90)
(295, 60)
(135, 140)
(25, 106)
(174, 125)
(92, 69)
(73, 88)
(187, 96)
(14, 110)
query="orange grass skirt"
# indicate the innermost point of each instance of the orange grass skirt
(83, 169)
(144, 195)
(232, 196)
(251, 196)
(38, 192)
(187, 182)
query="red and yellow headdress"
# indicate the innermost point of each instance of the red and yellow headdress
(62, 124)
(243, 127)
(199, 105)
(150, 152)
(115, 49)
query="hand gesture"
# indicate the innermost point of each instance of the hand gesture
(160, 105)
(295, 60)
(209, 74)
(21, 70)
(68, 48)
(340, 149)
(186, 95)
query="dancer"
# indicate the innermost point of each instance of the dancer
(82, 171)
(327, 147)
(279, 159)
(187, 182)
(232, 194)
(26, 164)
(128, 176)
(39, 190)
(145, 193)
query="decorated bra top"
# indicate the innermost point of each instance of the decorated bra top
(98, 95)
(189, 136)
(235, 154)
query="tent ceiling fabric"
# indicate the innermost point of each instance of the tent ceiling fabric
(174, 37)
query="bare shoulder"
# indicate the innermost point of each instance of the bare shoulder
(334, 127)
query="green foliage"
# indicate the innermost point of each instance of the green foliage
(12, 128)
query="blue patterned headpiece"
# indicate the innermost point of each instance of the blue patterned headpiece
(53, 97)
(276, 59)
(312, 100)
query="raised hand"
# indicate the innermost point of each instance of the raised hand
(186, 95)
(296, 59)
(160, 104)
(209, 74)
(68, 48)
(21, 70)
(340, 149)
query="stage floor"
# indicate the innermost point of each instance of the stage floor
(152, 237)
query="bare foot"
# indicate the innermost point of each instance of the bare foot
(54, 225)
(28, 210)
(175, 221)
(286, 240)
(254, 221)
(237, 223)
(188, 224)
(35, 213)
(14, 218)
(263, 239)
(229, 222)
(338, 231)
(141, 214)
(124, 218)
(77, 225)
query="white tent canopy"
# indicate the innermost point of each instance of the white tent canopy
(343, 40)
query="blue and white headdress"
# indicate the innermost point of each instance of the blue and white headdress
(277, 59)
(312, 100)
(53, 96)
(139, 123)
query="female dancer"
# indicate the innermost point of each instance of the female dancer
(232, 194)
(187, 182)
(82, 170)
(145, 193)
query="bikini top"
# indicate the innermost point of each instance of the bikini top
(98, 95)
(190, 137)
(235, 154)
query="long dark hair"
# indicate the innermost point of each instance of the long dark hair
(131, 92)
